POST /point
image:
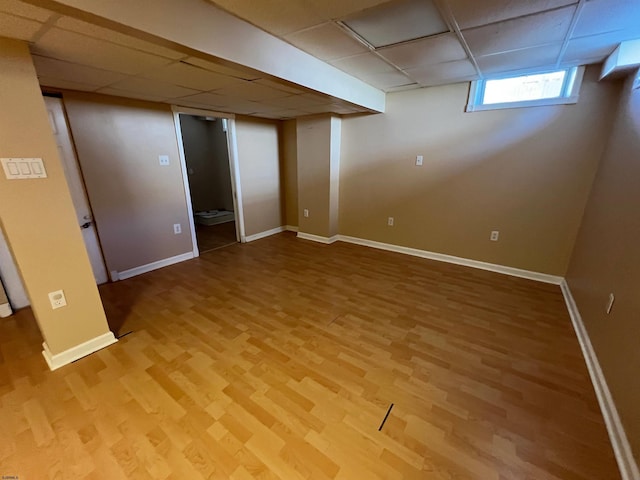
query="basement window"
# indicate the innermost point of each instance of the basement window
(559, 87)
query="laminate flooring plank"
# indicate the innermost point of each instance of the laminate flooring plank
(278, 359)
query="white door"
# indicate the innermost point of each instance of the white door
(76, 187)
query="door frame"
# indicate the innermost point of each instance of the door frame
(72, 168)
(234, 167)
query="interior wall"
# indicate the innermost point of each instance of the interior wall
(135, 200)
(259, 162)
(526, 172)
(314, 181)
(606, 259)
(290, 171)
(207, 158)
(37, 216)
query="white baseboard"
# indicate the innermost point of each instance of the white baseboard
(440, 257)
(291, 228)
(64, 358)
(267, 233)
(5, 310)
(152, 266)
(621, 447)
(318, 238)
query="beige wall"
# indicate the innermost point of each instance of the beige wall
(37, 216)
(606, 259)
(135, 200)
(259, 161)
(318, 153)
(525, 172)
(289, 171)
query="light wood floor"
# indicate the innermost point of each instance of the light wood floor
(280, 359)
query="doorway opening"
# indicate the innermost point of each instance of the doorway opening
(209, 179)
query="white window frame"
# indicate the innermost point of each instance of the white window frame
(569, 94)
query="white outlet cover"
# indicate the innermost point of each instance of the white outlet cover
(419, 160)
(390, 221)
(177, 228)
(57, 299)
(164, 160)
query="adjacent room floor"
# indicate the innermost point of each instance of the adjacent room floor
(280, 359)
(212, 237)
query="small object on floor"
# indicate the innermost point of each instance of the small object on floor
(385, 417)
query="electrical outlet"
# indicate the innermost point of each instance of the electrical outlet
(164, 160)
(177, 228)
(305, 212)
(390, 221)
(495, 235)
(419, 160)
(57, 299)
(612, 299)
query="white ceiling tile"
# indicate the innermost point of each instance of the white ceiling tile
(61, 70)
(292, 102)
(474, 13)
(189, 76)
(326, 42)
(594, 46)
(386, 80)
(251, 91)
(443, 73)
(336, 9)
(365, 63)
(22, 9)
(240, 72)
(397, 21)
(76, 48)
(18, 27)
(123, 93)
(65, 84)
(285, 87)
(205, 99)
(275, 16)
(520, 59)
(600, 16)
(524, 32)
(152, 87)
(428, 51)
(94, 31)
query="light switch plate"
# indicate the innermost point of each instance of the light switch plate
(23, 168)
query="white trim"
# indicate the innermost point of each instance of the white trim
(200, 112)
(621, 448)
(569, 95)
(234, 168)
(5, 310)
(266, 233)
(185, 180)
(74, 353)
(440, 257)
(291, 228)
(132, 272)
(318, 238)
(532, 103)
(236, 187)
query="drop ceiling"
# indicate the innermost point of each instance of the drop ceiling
(391, 45)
